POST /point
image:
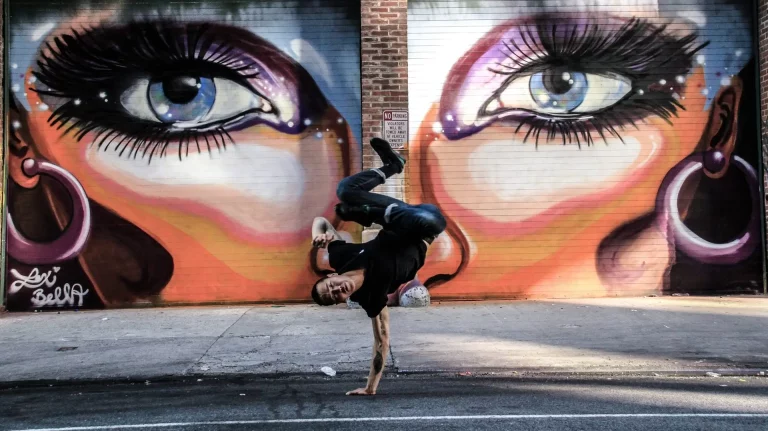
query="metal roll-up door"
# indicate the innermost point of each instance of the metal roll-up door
(175, 152)
(587, 148)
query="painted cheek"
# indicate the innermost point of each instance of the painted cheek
(497, 176)
(268, 182)
(257, 184)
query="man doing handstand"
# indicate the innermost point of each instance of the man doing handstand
(366, 273)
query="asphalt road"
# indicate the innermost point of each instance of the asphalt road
(423, 402)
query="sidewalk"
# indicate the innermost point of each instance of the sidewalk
(646, 335)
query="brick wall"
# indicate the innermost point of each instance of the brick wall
(762, 6)
(2, 128)
(763, 40)
(384, 73)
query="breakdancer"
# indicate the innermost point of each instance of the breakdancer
(366, 273)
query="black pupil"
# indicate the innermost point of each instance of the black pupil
(556, 81)
(181, 89)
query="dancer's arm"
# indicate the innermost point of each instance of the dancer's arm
(323, 233)
(380, 350)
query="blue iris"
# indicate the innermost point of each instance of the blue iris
(181, 98)
(558, 89)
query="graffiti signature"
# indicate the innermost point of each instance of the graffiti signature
(61, 295)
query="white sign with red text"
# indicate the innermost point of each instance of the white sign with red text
(396, 128)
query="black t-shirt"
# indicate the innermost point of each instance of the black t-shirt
(388, 260)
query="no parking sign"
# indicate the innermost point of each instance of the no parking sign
(395, 128)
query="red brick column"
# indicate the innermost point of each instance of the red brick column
(762, 6)
(384, 50)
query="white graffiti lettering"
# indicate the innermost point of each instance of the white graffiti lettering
(61, 295)
(34, 280)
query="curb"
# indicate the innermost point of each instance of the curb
(349, 375)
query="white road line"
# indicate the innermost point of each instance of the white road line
(407, 419)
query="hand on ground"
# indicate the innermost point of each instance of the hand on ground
(361, 391)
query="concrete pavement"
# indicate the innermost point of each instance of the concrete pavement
(631, 335)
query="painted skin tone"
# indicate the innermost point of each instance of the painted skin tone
(336, 288)
(230, 218)
(546, 220)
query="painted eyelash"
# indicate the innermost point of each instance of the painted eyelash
(156, 143)
(644, 46)
(636, 50)
(578, 132)
(86, 62)
(96, 54)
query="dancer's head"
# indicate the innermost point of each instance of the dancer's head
(334, 289)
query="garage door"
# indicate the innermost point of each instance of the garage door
(586, 148)
(175, 154)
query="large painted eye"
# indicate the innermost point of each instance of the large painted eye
(561, 92)
(190, 101)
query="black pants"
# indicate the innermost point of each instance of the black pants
(423, 221)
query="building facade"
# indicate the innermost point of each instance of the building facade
(178, 154)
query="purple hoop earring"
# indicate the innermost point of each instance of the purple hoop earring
(72, 240)
(685, 239)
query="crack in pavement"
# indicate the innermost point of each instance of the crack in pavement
(219, 337)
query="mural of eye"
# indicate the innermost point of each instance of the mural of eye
(136, 87)
(554, 76)
(187, 101)
(561, 92)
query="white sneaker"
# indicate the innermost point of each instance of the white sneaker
(415, 297)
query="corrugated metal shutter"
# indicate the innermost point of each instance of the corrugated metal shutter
(206, 136)
(565, 140)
